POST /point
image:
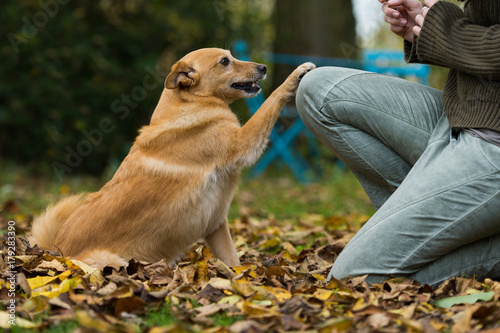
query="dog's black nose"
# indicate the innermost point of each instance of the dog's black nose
(262, 69)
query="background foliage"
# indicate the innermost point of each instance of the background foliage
(67, 65)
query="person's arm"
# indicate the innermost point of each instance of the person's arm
(447, 38)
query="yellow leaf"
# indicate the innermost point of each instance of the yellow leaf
(41, 281)
(425, 308)
(241, 269)
(360, 305)
(319, 277)
(270, 243)
(86, 320)
(288, 256)
(438, 325)
(412, 325)
(244, 289)
(336, 325)
(168, 329)
(280, 293)
(406, 312)
(95, 274)
(332, 284)
(51, 291)
(324, 294)
(202, 274)
(255, 310)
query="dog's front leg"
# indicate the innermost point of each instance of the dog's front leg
(221, 245)
(252, 138)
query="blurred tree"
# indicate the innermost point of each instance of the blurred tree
(81, 77)
(321, 28)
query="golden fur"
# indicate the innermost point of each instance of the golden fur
(177, 182)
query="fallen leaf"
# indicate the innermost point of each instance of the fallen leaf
(378, 320)
(467, 299)
(256, 311)
(41, 281)
(54, 264)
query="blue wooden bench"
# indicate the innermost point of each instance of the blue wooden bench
(392, 62)
(283, 137)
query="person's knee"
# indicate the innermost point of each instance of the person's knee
(318, 89)
(308, 100)
(363, 259)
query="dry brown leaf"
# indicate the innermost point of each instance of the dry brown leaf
(378, 320)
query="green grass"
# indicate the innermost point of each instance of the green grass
(284, 198)
(162, 317)
(276, 194)
(63, 327)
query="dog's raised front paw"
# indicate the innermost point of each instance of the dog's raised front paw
(305, 68)
(292, 82)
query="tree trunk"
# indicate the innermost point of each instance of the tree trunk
(323, 28)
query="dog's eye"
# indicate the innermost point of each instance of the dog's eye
(224, 61)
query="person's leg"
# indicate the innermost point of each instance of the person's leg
(442, 221)
(479, 260)
(376, 124)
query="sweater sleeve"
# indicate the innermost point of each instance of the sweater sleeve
(449, 39)
(411, 51)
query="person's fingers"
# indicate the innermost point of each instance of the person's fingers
(397, 29)
(396, 2)
(393, 12)
(419, 19)
(396, 22)
(425, 9)
(416, 30)
(393, 16)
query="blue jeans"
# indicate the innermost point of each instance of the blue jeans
(436, 189)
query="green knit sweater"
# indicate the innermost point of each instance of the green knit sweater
(467, 42)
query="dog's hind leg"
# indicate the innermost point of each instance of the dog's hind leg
(221, 245)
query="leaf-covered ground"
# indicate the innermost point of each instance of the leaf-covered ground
(280, 287)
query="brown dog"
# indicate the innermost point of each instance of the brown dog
(177, 182)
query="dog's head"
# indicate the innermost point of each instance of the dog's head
(215, 72)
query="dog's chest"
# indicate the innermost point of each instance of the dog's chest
(216, 195)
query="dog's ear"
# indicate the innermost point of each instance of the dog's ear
(182, 75)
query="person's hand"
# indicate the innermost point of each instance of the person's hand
(420, 18)
(400, 14)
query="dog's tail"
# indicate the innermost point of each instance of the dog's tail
(46, 226)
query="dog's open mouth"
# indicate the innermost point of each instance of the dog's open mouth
(250, 87)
